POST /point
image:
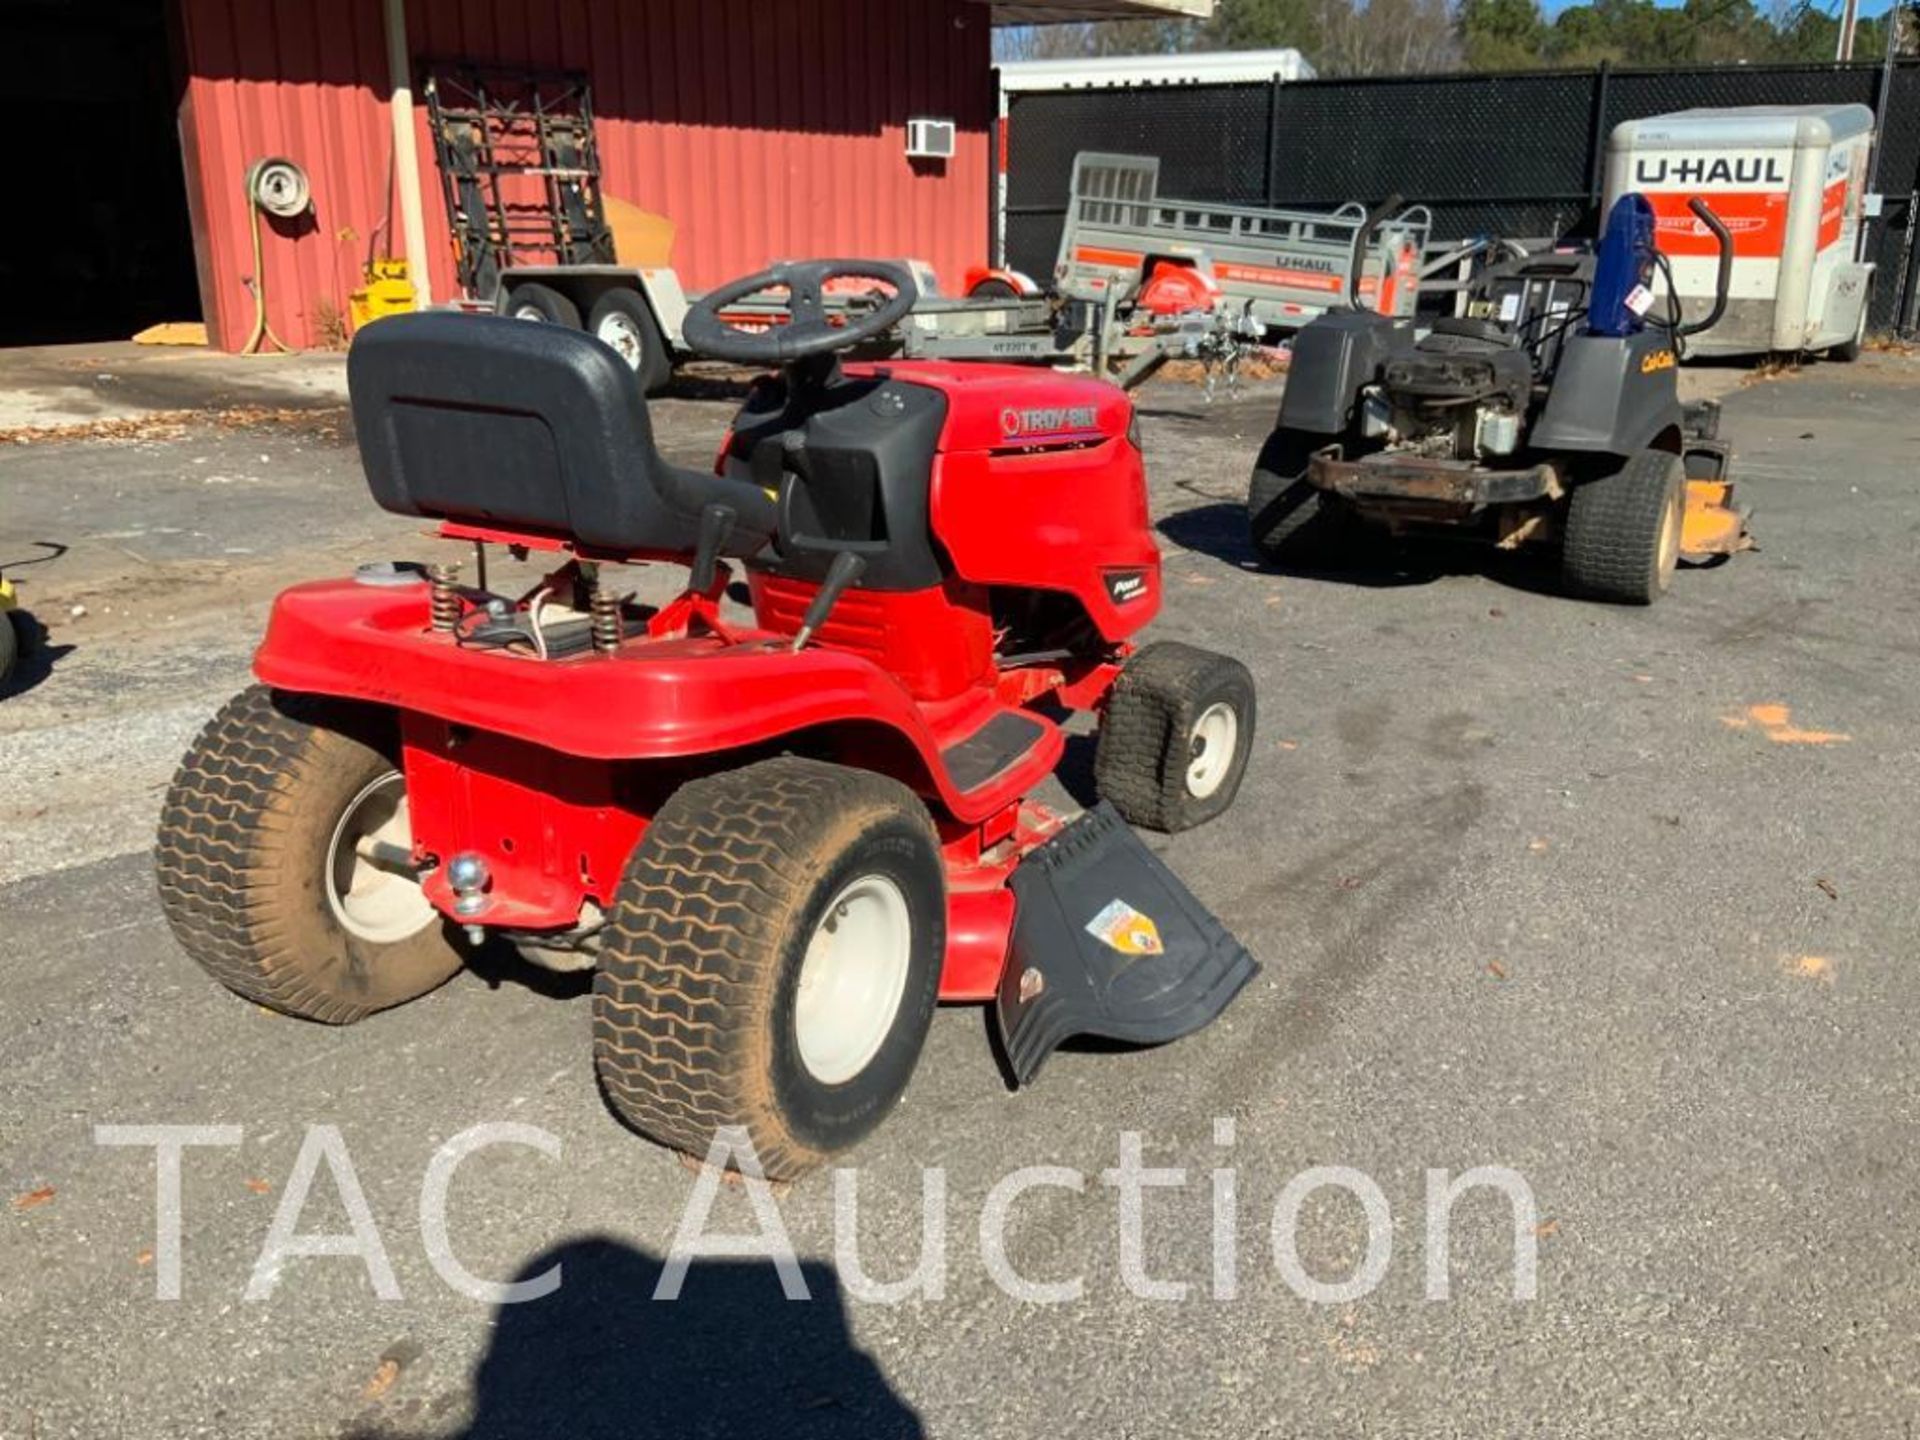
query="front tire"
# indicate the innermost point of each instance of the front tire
(260, 865)
(772, 962)
(1290, 520)
(1623, 530)
(1175, 738)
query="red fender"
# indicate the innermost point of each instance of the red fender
(1176, 289)
(658, 699)
(1018, 281)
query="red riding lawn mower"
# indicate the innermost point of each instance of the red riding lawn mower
(778, 844)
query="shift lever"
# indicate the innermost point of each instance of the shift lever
(843, 572)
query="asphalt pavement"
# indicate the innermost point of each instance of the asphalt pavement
(1621, 901)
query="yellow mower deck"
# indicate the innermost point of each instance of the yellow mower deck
(1712, 525)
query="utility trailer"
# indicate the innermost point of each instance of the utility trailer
(640, 313)
(1278, 268)
(1141, 279)
(1789, 182)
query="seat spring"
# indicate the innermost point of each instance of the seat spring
(443, 596)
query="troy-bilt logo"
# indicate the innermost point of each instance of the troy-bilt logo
(1709, 170)
(1125, 585)
(1048, 422)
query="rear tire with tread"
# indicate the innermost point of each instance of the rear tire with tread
(1146, 757)
(246, 833)
(1623, 530)
(695, 1006)
(1290, 520)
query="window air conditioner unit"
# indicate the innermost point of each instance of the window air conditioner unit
(929, 139)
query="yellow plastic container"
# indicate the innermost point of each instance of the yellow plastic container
(388, 291)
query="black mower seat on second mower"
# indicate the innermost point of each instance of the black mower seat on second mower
(1469, 327)
(527, 427)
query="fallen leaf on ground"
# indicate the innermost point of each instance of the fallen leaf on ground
(382, 1381)
(259, 1187)
(1827, 887)
(1547, 1228)
(1289, 744)
(1775, 721)
(1348, 882)
(1537, 845)
(1811, 967)
(145, 1257)
(1496, 969)
(33, 1198)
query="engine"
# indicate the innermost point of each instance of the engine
(1453, 397)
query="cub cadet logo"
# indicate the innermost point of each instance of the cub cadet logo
(1658, 360)
(1705, 170)
(1058, 420)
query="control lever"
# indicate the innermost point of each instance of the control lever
(716, 527)
(843, 572)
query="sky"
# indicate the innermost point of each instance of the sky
(1832, 7)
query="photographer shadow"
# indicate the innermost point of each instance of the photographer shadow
(731, 1356)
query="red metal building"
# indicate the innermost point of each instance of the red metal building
(762, 128)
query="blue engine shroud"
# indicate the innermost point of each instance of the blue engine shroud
(1623, 262)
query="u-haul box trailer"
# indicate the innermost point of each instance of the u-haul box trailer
(1790, 183)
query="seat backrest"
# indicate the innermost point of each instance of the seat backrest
(518, 425)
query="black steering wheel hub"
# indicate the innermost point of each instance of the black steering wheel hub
(809, 328)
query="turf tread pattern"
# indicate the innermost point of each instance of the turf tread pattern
(231, 865)
(220, 829)
(1141, 759)
(1612, 544)
(683, 999)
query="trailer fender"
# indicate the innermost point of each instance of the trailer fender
(1178, 287)
(983, 282)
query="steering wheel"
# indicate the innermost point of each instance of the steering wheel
(809, 331)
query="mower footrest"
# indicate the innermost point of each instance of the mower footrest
(1107, 941)
(993, 748)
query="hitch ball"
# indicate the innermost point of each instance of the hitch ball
(468, 877)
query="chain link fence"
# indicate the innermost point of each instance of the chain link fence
(1518, 154)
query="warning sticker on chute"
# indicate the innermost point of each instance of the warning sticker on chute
(1123, 928)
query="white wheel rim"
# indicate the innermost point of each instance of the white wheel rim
(1211, 744)
(374, 894)
(623, 335)
(529, 312)
(852, 979)
(1670, 526)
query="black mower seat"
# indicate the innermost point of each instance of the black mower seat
(527, 427)
(1468, 327)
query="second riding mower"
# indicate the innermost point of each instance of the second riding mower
(778, 843)
(1547, 414)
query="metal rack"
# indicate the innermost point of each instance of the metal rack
(519, 170)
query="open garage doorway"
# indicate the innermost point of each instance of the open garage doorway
(97, 243)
